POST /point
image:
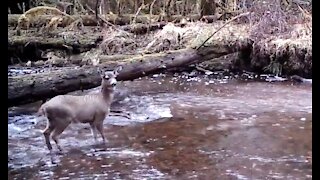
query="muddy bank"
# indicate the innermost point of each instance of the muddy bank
(181, 128)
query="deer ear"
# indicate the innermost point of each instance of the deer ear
(116, 71)
(101, 73)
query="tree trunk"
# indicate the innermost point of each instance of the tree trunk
(206, 7)
(29, 88)
(97, 10)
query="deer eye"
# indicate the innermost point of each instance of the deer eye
(107, 78)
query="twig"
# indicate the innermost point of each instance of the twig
(150, 13)
(120, 113)
(306, 16)
(138, 11)
(204, 70)
(80, 6)
(112, 25)
(229, 21)
(90, 9)
(151, 7)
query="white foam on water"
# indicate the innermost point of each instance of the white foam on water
(121, 153)
(15, 128)
(146, 173)
(237, 175)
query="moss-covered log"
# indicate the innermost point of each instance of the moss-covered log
(28, 88)
(90, 20)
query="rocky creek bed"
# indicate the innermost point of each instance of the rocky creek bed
(182, 127)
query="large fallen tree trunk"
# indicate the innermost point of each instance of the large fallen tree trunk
(29, 88)
(90, 20)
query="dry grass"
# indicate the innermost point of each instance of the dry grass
(192, 35)
(282, 40)
(116, 40)
(278, 46)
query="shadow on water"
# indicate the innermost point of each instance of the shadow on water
(180, 129)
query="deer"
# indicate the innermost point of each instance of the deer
(62, 110)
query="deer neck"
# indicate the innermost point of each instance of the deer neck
(107, 94)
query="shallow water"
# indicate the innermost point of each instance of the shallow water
(181, 128)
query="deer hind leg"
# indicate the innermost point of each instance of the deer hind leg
(47, 132)
(59, 128)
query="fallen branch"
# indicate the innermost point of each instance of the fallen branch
(120, 114)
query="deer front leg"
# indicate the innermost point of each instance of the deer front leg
(94, 132)
(99, 126)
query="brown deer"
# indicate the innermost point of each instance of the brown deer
(63, 110)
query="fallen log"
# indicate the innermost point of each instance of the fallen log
(221, 63)
(27, 48)
(90, 20)
(76, 59)
(84, 42)
(140, 28)
(33, 87)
